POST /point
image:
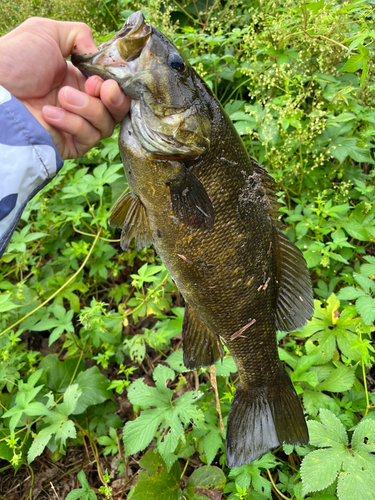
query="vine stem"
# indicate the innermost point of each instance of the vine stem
(93, 235)
(59, 290)
(278, 492)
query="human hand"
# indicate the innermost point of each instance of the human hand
(76, 112)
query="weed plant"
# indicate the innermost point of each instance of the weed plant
(85, 327)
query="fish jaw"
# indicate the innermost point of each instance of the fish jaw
(117, 58)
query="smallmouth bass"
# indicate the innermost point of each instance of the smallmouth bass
(211, 213)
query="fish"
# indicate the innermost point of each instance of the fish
(212, 214)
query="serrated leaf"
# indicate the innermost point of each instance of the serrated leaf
(340, 380)
(211, 443)
(155, 482)
(330, 432)
(320, 468)
(366, 309)
(172, 417)
(225, 367)
(356, 484)
(175, 361)
(349, 293)
(365, 431)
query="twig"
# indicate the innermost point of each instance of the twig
(55, 492)
(214, 385)
(241, 330)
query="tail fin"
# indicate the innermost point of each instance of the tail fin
(262, 419)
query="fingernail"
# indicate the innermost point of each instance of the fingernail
(53, 112)
(117, 98)
(75, 97)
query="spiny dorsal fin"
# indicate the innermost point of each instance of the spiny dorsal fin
(269, 185)
(130, 214)
(295, 304)
(201, 347)
(190, 201)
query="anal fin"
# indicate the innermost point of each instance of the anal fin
(201, 347)
(130, 214)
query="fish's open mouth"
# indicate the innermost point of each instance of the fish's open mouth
(118, 52)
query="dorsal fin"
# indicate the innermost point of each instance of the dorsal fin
(295, 304)
(130, 214)
(269, 185)
(201, 347)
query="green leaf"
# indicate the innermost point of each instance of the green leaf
(225, 367)
(320, 468)
(365, 429)
(175, 361)
(211, 443)
(354, 63)
(93, 386)
(349, 293)
(340, 380)
(205, 482)
(59, 374)
(6, 304)
(155, 482)
(366, 308)
(329, 432)
(172, 418)
(139, 433)
(84, 493)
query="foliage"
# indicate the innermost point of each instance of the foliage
(85, 327)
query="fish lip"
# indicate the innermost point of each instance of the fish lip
(118, 52)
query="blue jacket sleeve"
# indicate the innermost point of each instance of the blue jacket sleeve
(28, 161)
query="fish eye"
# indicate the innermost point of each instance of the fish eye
(175, 61)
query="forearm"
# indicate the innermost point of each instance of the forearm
(28, 161)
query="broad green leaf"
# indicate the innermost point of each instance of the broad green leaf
(59, 374)
(329, 432)
(205, 482)
(366, 308)
(340, 380)
(155, 482)
(211, 443)
(172, 417)
(320, 468)
(175, 361)
(6, 304)
(364, 436)
(354, 63)
(349, 293)
(94, 388)
(140, 432)
(225, 367)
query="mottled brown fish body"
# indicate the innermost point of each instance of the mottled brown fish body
(211, 213)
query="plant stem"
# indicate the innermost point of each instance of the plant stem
(58, 291)
(277, 491)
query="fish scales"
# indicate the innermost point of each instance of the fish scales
(211, 213)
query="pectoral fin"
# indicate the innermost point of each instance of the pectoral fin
(130, 214)
(201, 347)
(190, 201)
